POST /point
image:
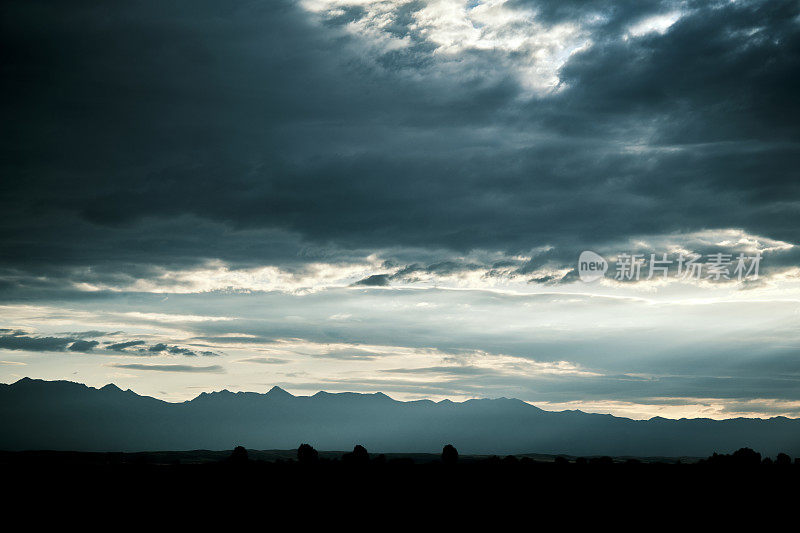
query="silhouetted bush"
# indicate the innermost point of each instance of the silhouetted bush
(783, 459)
(561, 461)
(581, 461)
(238, 455)
(766, 461)
(306, 454)
(449, 454)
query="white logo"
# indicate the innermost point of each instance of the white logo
(591, 266)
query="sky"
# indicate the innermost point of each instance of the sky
(359, 195)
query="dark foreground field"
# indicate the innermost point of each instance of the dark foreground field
(204, 483)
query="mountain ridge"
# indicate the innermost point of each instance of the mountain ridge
(446, 401)
(39, 414)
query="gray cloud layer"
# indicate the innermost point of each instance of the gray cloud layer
(214, 369)
(617, 349)
(143, 134)
(19, 340)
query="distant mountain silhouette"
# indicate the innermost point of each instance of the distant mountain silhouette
(62, 415)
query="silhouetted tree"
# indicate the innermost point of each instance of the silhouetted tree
(783, 459)
(716, 459)
(741, 457)
(238, 455)
(449, 454)
(358, 456)
(581, 461)
(746, 456)
(561, 461)
(306, 454)
(360, 453)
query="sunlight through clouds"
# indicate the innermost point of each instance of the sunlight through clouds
(453, 28)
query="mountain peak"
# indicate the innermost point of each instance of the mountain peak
(26, 381)
(277, 392)
(110, 388)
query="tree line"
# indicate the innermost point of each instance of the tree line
(308, 455)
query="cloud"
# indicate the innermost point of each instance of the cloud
(685, 128)
(83, 346)
(348, 353)
(177, 350)
(92, 334)
(19, 341)
(121, 346)
(264, 360)
(552, 348)
(214, 369)
(376, 280)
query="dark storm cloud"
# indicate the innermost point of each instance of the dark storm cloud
(721, 73)
(610, 15)
(151, 136)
